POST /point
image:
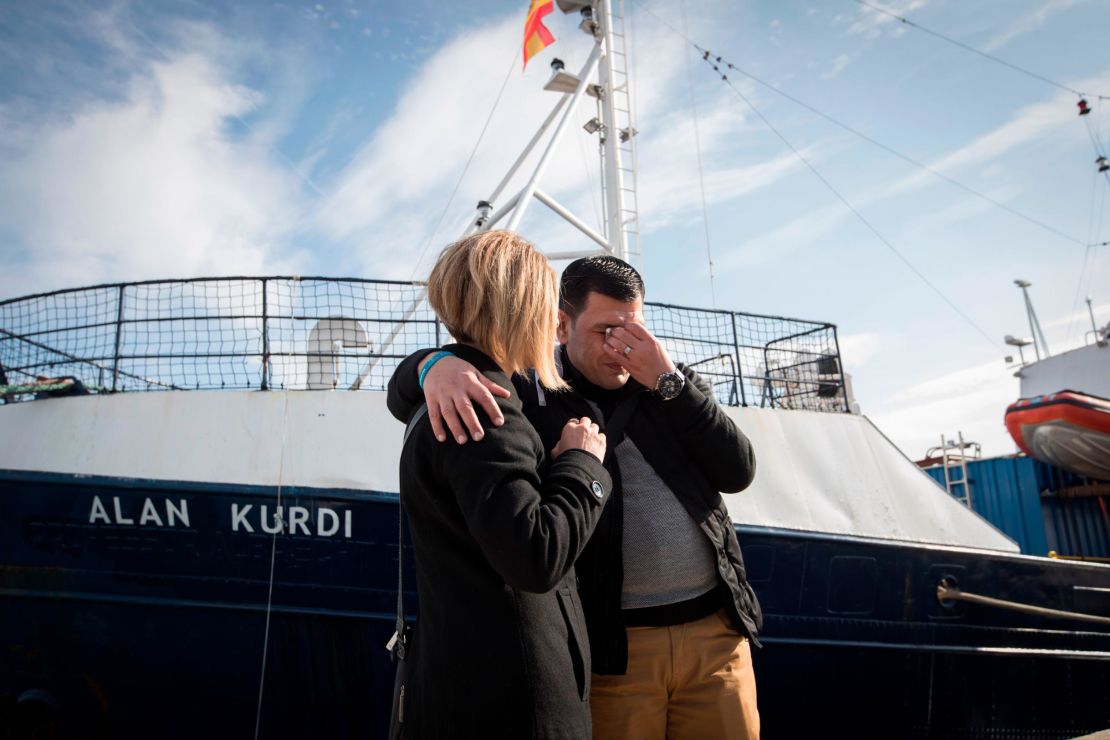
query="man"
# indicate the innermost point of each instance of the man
(668, 608)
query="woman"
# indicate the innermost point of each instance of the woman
(500, 648)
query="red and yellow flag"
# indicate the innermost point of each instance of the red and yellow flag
(536, 36)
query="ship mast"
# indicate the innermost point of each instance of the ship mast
(1039, 342)
(604, 21)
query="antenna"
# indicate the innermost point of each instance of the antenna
(614, 129)
(1039, 341)
(1018, 342)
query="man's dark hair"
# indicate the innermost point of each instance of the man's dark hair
(603, 274)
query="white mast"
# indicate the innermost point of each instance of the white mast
(609, 59)
(621, 237)
(1039, 342)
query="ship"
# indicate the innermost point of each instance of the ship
(198, 533)
(1063, 415)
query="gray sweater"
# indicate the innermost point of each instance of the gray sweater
(667, 559)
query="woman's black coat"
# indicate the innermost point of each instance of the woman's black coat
(500, 649)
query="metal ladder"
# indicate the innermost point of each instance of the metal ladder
(625, 130)
(954, 457)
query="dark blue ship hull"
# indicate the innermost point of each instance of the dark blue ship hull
(174, 628)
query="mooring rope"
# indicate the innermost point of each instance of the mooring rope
(946, 592)
(279, 529)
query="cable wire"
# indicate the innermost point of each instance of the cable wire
(596, 196)
(701, 170)
(280, 520)
(870, 227)
(1091, 235)
(466, 167)
(972, 49)
(715, 60)
(904, 157)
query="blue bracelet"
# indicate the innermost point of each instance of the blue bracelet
(428, 365)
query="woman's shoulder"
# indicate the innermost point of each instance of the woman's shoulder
(515, 440)
(515, 428)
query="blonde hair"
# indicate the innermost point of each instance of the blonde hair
(494, 290)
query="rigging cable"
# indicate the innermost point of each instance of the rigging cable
(972, 49)
(870, 227)
(279, 520)
(633, 117)
(701, 171)
(597, 203)
(1096, 139)
(875, 142)
(906, 158)
(861, 217)
(1094, 232)
(466, 167)
(589, 177)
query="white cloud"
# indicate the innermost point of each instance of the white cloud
(385, 203)
(871, 23)
(672, 187)
(1028, 22)
(166, 178)
(961, 209)
(858, 349)
(799, 233)
(1071, 330)
(150, 185)
(1030, 123)
(972, 401)
(836, 67)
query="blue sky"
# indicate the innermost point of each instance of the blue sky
(161, 139)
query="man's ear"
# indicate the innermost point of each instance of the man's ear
(562, 330)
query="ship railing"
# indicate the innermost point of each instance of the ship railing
(316, 333)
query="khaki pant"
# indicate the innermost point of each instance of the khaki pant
(686, 682)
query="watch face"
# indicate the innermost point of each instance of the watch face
(669, 386)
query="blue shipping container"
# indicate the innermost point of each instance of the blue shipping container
(1022, 497)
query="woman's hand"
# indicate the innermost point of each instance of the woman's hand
(581, 434)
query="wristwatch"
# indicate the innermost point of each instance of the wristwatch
(670, 385)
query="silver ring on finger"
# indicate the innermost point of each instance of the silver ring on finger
(627, 350)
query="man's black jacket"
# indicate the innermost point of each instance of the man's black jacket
(500, 648)
(690, 443)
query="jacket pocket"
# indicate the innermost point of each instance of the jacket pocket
(576, 638)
